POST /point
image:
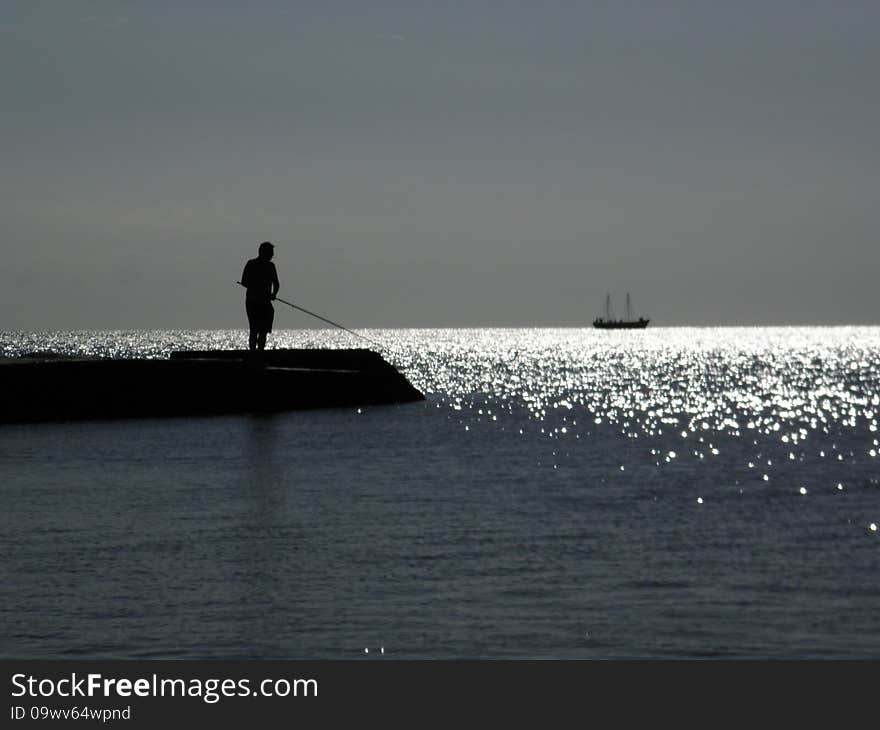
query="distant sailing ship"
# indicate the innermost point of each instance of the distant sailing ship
(608, 322)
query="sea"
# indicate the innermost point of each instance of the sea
(672, 493)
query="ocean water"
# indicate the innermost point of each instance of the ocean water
(562, 493)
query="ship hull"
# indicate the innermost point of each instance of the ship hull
(638, 324)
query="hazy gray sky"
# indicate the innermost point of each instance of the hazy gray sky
(440, 163)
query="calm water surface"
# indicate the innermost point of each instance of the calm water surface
(561, 494)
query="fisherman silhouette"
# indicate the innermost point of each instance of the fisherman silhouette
(261, 281)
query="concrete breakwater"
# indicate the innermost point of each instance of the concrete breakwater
(41, 387)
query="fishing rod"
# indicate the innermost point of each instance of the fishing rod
(324, 319)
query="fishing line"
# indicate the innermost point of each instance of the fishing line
(328, 321)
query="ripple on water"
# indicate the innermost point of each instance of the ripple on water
(571, 444)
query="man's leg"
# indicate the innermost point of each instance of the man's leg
(266, 325)
(253, 324)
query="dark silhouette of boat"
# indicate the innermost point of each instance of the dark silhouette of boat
(609, 322)
(46, 387)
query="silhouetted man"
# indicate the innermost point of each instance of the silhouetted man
(261, 280)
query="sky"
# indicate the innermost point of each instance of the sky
(440, 164)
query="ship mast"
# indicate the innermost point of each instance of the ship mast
(629, 314)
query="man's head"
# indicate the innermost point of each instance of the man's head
(266, 250)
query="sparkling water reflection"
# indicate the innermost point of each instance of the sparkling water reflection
(562, 493)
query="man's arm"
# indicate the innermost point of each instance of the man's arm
(275, 285)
